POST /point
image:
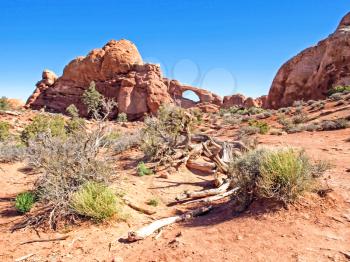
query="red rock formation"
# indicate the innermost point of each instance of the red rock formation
(119, 73)
(310, 74)
(242, 101)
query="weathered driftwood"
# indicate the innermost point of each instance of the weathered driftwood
(202, 166)
(148, 230)
(214, 198)
(204, 193)
(137, 207)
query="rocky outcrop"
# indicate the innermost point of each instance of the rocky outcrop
(310, 74)
(242, 101)
(119, 73)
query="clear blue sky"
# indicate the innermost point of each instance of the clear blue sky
(224, 46)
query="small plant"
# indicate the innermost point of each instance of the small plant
(263, 126)
(94, 200)
(126, 141)
(4, 104)
(92, 99)
(75, 124)
(4, 130)
(318, 105)
(142, 170)
(72, 111)
(248, 131)
(339, 89)
(284, 110)
(10, 152)
(298, 103)
(299, 118)
(312, 127)
(336, 97)
(24, 202)
(334, 124)
(122, 118)
(55, 125)
(153, 202)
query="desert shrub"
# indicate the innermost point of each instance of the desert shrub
(72, 111)
(232, 120)
(4, 130)
(336, 97)
(67, 164)
(310, 102)
(340, 102)
(11, 152)
(255, 110)
(143, 170)
(299, 118)
(264, 115)
(284, 175)
(298, 103)
(153, 202)
(281, 174)
(92, 99)
(4, 104)
(25, 201)
(43, 124)
(339, 89)
(163, 134)
(334, 124)
(312, 127)
(284, 110)
(276, 132)
(126, 141)
(122, 118)
(263, 126)
(75, 124)
(248, 131)
(317, 105)
(295, 129)
(94, 200)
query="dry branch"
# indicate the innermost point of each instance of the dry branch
(44, 240)
(148, 230)
(137, 207)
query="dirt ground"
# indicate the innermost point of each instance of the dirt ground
(315, 229)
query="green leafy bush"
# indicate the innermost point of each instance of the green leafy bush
(339, 89)
(55, 125)
(142, 170)
(4, 103)
(4, 130)
(24, 202)
(122, 118)
(263, 126)
(153, 202)
(95, 200)
(92, 99)
(72, 111)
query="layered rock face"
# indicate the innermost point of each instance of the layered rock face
(119, 73)
(310, 74)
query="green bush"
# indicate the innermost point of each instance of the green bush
(95, 200)
(281, 174)
(24, 202)
(142, 170)
(122, 118)
(4, 103)
(263, 126)
(4, 130)
(153, 202)
(284, 175)
(55, 125)
(339, 89)
(72, 111)
(92, 99)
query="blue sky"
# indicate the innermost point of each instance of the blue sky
(224, 46)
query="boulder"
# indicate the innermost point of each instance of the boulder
(234, 100)
(310, 74)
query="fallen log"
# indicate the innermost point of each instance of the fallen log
(204, 193)
(214, 198)
(148, 230)
(202, 166)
